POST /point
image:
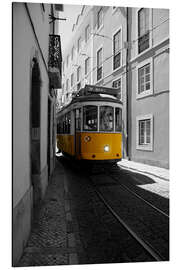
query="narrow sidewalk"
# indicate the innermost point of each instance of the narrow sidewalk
(145, 169)
(51, 242)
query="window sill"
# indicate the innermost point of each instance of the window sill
(117, 69)
(99, 80)
(148, 93)
(145, 147)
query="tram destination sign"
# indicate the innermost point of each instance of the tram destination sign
(100, 90)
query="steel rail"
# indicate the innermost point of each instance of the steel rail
(147, 247)
(141, 198)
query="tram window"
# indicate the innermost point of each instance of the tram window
(106, 118)
(68, 122)
(118, 119)
(64, 125)
(90, 117)
(59, 126)
(78, 119)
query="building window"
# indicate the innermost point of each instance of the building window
(63, 66)
(145, 78)
(99, 18)
(143, 29)
(67, 85)
(72, 79)
(87, 65)
(87, 33)
(78, 86)
(99, 64)
(117, 50)
(67, 63)
(117, 84)
(144, 131)
(78, 74)
(72, 53)
(79, 44)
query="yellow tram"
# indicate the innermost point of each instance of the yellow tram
(90, 126)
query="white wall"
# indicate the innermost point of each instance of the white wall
(24, 47)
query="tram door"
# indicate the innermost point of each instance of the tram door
(77, 137)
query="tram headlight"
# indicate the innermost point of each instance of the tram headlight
(106, 148)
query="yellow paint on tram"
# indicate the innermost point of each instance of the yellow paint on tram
(92, 146)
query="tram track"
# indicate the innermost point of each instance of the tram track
(110, 173)
(155, 253)
(141, 198)
(146, 246)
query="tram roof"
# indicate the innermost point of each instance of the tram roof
(95, 93)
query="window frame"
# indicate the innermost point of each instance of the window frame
(63, 66)
(137, 34)
(149, 92)
(67, 85)
(72, 53)
(79, 44)
(86, 67)
(87, 37)
(72, 79)
(121, 45)
(97, 125)
(78, 74)
(100, 48)
(101, 122)
(115, 124)
(78, 120)
(117, 79)
(147, 146)
(101, 25)
(67, 61)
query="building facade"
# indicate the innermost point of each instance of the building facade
(33, 115)
(149, 86)
(128, 49)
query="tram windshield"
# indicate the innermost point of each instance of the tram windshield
(106, 118)
(118, 119)
(90, 117)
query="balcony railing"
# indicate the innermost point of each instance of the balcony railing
(55, 61)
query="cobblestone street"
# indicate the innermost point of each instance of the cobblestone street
(72, 226)
(51, 241)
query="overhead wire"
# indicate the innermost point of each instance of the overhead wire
(109, 57)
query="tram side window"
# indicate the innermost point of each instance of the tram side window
(78, 119)
(90, 117)
(106, 118)
(118, 119)
(60, 126)
(67, 123)
(64, 124)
